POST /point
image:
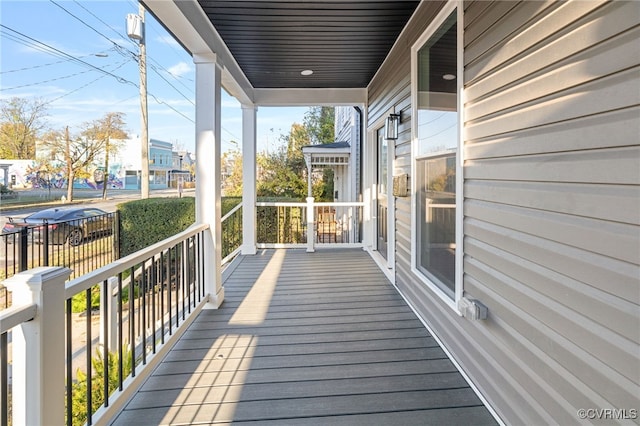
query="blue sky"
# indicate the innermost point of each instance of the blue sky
(54, 50)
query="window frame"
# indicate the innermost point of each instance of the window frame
(446, 11)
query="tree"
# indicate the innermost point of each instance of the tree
(77, 152)
(277, 178)
(298, 137)
(21, 122)
(232, 173)
(319, 123)
(108, 131)
(283, 173)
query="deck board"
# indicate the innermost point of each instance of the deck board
(306, 339)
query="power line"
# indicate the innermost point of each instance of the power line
(175, 88)
(83, 86)
(76, 90)
(31, 45)
(119, 47)
(104, 23)
(46, 81)
(59, 53)
(86, 24)
(36, 44)
(42, 65)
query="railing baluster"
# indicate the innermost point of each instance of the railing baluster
(177, 281)
(88, 354)
(143, 334)
(162, 283)
(169, 288)
(188, 270)
(69, 361)
(182, 278)
(153, 302)
(132, 320)
(106, 300)
(120, 343)
(4, 379)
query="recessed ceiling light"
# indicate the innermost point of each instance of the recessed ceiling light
(448, 77)
(307, 72)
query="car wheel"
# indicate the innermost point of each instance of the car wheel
(75, 237)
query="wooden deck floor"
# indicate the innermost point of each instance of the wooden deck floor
(307, 339)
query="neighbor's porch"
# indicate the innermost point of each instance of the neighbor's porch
(306, 338)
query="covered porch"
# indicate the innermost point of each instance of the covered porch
(306, 338)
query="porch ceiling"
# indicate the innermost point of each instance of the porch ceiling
(342, 42)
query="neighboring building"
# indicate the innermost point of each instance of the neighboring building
(348, 127)
(125, 168)
(160, 163)
(181, 167)
(16, 174)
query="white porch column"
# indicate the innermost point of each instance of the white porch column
(39, 347)
(249, 132)
(208, 177)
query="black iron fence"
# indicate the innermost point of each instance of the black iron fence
(79, 244)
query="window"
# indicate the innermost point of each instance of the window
(435, 85)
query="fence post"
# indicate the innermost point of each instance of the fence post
(39, 347)
(116, 235)
(111, 340)
(45, 243)
(24, 244)
(310, 226)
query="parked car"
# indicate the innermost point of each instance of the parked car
(66, 224)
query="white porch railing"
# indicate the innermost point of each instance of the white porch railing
(145, 302)
(231, 233)
(307, 225)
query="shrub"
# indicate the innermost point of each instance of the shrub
(146, 222)
(6, 192)
(79, 388)
(229, 203)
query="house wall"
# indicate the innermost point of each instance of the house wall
(551, 212)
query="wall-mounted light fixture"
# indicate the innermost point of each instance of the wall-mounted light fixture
(391, 126)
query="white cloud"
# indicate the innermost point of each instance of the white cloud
(180, 69)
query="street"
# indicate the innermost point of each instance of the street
(91, 197)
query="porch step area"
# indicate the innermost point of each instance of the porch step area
(307, 339)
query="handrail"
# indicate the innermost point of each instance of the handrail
(16, 315)
(87, 281)
(304, 204)
(232, 211)
(280, 204)
(340, 204)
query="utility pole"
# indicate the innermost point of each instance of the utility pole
(135, 31)
(144, 137)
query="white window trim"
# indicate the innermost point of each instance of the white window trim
(371, 196)
(459, 274)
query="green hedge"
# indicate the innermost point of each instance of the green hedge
(228, 203)
(146, 222)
